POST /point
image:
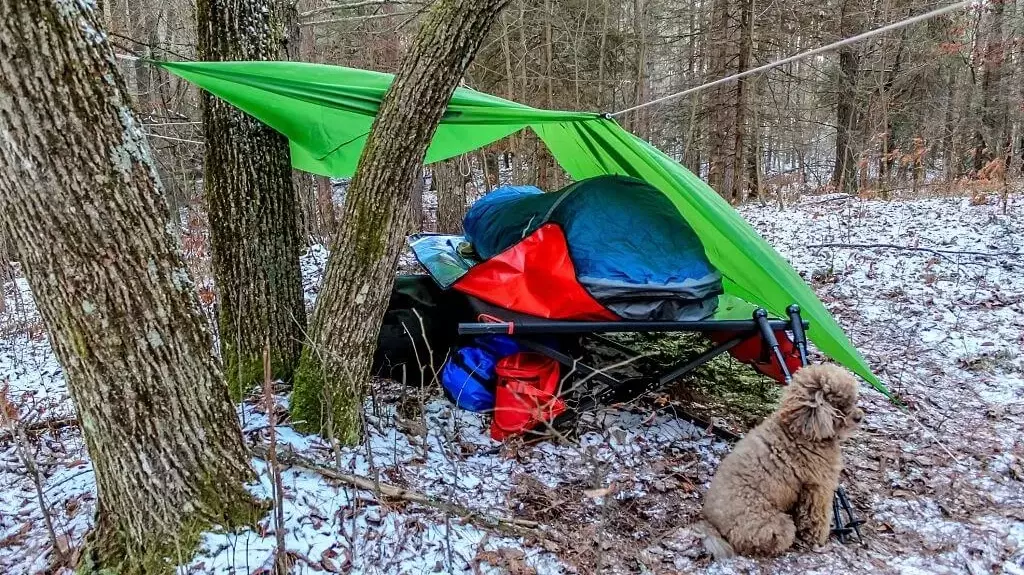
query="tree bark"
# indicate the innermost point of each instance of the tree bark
(844, 174)
(732, 28)
(451, 196)
(330, 383)
(253, 221)
(993, 101)
(327, 216)
(80, 198)
(416, 204)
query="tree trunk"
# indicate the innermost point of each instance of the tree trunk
(547, 173)
(80, 198)
(731, 25)
(305, 206)
(994, 110)
(7, 255)
(739, 135)
(335, 363)
(253, 221)
(636, 118)
(601, 101)
(416, 204)
(451, 196)
(300, 47)
(949, 163)
(844, 174)
(327, 216)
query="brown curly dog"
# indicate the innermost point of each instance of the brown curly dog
(777, 484)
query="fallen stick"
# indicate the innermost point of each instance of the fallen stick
(834, 198)
(41, 427)
(517, 526)
(917, 249)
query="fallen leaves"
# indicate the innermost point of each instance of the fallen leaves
(8, 411)
(512, 560)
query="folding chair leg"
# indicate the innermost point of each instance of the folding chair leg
(799, 337)
(768, 335)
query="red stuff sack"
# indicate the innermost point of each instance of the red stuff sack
(755, 352)
(525, 394)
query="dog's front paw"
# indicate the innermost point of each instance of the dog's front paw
(813, 536)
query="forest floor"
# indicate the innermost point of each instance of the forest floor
(941, 485)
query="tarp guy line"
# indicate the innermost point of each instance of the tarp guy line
(801, 55)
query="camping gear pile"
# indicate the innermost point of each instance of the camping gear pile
(539, 275)
(547, 270)
(326, 113)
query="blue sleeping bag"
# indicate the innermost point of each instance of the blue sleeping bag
(631, 248)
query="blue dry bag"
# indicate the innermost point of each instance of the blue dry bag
(468, 376)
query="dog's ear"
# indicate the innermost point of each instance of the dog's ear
(805, 413)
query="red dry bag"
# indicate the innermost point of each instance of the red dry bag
(525, 394)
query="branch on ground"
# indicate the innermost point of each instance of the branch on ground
(918, 249)
(511, 525)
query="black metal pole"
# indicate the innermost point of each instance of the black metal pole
(768, 335)
(799, 336)
(701, 359)
(583, 327)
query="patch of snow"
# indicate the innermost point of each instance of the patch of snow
(940, 482)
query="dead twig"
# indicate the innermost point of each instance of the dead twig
(833, 198)
(41, 426)
(917, 249)
(9, 418)
(518, 527)
(281, 558)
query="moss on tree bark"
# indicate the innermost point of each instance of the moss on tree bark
(331, 380)
(80, 197)
(254, 232)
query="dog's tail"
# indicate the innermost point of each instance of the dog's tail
(713, 541)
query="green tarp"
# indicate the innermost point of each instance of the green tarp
(326, 113)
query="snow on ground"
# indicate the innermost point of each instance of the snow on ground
(940, 483)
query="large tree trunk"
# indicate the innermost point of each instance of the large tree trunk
(336, 361)
(80, 198)
(253, 220)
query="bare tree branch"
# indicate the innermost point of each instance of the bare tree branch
(354, 5)
(386, 491)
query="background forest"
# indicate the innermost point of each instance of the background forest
(930, 105)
